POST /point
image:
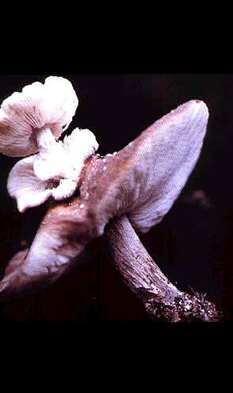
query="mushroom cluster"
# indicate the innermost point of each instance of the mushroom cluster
(120, 194)
(32, 122)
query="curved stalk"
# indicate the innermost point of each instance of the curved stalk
(161, 299)
(45, 139)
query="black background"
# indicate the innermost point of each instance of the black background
(194, 243)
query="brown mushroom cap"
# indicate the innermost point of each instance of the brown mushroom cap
(50, 105)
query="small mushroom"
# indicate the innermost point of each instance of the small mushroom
(33, 120)
(122, 193)
(59, 180)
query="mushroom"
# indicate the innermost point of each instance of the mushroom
(32, 120)
(121, 194)
(62, 178)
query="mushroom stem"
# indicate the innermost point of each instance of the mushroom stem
(50, 159)
(45, 139)
(161, 299)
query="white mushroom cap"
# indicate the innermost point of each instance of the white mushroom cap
(50, 105)
(65, 159)
(25, 187)
(34, 179)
